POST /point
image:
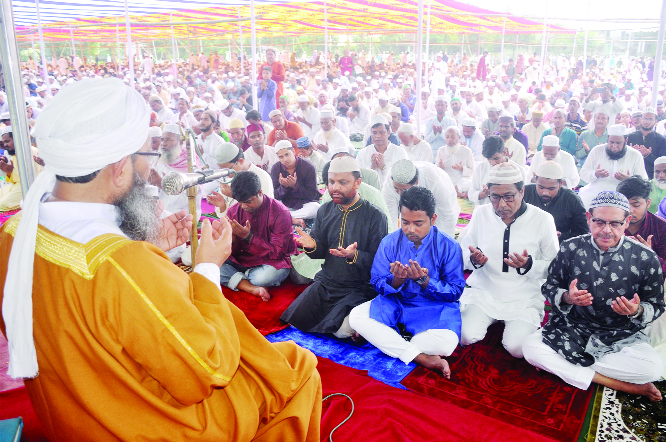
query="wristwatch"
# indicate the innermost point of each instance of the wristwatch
(421, 280)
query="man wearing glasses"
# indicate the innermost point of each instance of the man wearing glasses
(605, 288)
(509, 246)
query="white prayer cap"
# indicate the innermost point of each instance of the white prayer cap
(559, 103)
(171, 128)
(86, 127)
(6, 130)
(226, 152)
(649, 110)
(551, 140)
(617, 129)
(344, 165)
(425, 89)
(274, 112)
(378, 119)
(344, 86)
(326, 113)
(283, 144)
(303, 99)
(469, 122)
(207, 94)
(441, 98)
(403, 171)
(40, 89)
(367, 89)
(231, 84)
(224, 104)
(505, 173)
(660, 160)
(493, 108)
(382, 96)
(551, 170)
(155, 131)
(406, 128)
(506, 97)
(185, 98)
(395, 110)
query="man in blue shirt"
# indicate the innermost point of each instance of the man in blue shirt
(417, 273)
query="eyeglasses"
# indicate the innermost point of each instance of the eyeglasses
(153, 156)
(509, 198)
(601, 223)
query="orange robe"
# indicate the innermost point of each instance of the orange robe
(131, 348)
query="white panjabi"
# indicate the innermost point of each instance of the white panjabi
(88, 125)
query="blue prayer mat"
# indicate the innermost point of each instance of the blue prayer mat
(366, 357)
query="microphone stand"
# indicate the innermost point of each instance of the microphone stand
(191, 195)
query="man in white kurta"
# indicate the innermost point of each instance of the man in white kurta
(208, 141)
(515, 150)
(494, 153)
(381, 154)
(551, 151)
(259, 153)
(457, 161)
(435, 126)
(608, 164)
(228, 113)
(329, 138)
(405, 174)
(307, 117)
(472, 138)
(417, 150)
(358, 115)
(509, 246)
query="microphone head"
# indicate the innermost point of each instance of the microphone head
(173, 183)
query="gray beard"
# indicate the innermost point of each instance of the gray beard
(170, 156)
(137, 213)
(661, 185)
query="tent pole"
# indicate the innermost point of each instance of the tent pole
(427, 46)
(574, 45)
(587, 27)
(173, 42)
(543, 43)
(45, 71)
(253, 74)
(419, 70)
(503, 32)
(129, 45)
(240, 29)
(71, 34)
(657, 59)
(610, 51)
(9, 55)
(117, 47)
(326, 38)
(629, 43)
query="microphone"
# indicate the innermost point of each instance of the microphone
(175, 182)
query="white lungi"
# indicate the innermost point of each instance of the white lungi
(439, 342)
(308, 211)
(636, 364)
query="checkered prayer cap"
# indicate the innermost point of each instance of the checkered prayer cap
(610, 199)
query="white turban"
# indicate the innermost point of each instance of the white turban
(86, 127)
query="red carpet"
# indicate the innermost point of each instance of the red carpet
(487, 380)
(265, 316)
(14, 403)
(383, 413)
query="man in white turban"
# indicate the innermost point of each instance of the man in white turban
(141, 337)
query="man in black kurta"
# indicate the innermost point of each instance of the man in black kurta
(346, 234)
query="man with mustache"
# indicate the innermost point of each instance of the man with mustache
(608, 164)
(649, 143)
(10, 193)
(419, 279)
(658, 192)
(604, 289)
(549, 193)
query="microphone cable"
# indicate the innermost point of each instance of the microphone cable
(330, 436)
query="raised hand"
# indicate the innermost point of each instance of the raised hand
(174, 230)
(517, 261)
(477, 257)
(581, 298)
(304, 240)
(415, 271)
(347, 252)
(215, 242)
(601, 173)
(239, 230)
(623, 306)
(647, 242)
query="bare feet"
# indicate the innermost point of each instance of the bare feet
(357, 338)
(648, 390)
(434, 363)
(259, 291)
(298, 222)
(263, 294)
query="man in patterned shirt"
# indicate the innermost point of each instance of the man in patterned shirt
(605, 288)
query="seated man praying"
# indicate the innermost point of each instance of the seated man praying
(604, 288)
(262, 239)
(417, 273)
(509, 246)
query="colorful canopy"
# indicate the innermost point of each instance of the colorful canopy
(286, 18)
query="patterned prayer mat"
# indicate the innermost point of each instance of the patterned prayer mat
(466, 209)
(366, 357)
(627, 417)
(487, 380)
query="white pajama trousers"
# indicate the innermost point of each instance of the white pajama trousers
(308, 211)
(439, 342)
(636, 364)
(475, 323)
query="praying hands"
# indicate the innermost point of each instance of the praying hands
(174, 230)
(288, 181)
(403, 272)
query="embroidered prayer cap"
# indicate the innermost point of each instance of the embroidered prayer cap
(537, 113)
(551, 170)
(326, 113)
(343, 165)
(660, 160)
(649, 110)
(236, 123)
(303, 142)
(274, 112)
(455, 99)
(87, 126)
(406, 128)
(551, 140)
(403, 171)
(469, 122)
(378, 119)
(283, 144)
(617, 129)
(155, 131)
(505, 173)
(609, 198)
(254, 127)
(171, 128)
(226, 152)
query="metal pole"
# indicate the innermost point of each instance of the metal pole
(574, 45)
(173, 42)
(657, 58)
(118, 64)
(629, 43)
(129, 45)
(45, 71)
(427, 47)
(71, 34)
(419, 69)
(240, 29)
(253, 75)
(503, 31)
(543, 43)
(326, 38)
(9, 55)
(587, 27)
